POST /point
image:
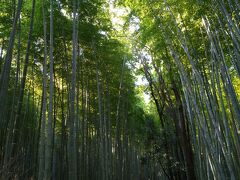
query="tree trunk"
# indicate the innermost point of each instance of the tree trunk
(49, 130)
(72, 153)
(41, 152)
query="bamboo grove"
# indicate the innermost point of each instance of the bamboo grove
(71, 106)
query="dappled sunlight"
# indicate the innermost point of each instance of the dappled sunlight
(119, 90)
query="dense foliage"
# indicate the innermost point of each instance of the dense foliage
(71, 106)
